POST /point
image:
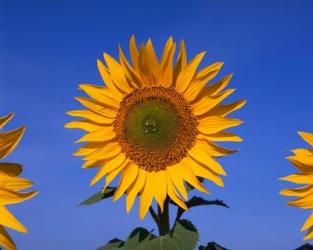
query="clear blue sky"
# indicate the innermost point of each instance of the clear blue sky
(48, 47)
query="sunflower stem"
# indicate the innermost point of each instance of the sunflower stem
(154, 216)
(164, 219)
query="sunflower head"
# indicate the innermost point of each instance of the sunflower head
(303, 161)
(11, 184)
(156, 123)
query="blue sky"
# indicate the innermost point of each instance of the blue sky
(48, 47)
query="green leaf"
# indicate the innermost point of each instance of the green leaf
(198, 201)
(138, 236)
(135, 240)
(305, 247)
(183, 237)
(212, 246)
(108, 192)
(114, 244)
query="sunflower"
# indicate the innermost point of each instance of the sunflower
(155, 123)
(11, 184)
(303, 161)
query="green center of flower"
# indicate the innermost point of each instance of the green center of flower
(152, 124)
(155, 127)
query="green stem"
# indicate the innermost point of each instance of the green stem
(164, 225)
(154, 216)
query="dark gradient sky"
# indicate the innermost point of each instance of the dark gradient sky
(48, 47)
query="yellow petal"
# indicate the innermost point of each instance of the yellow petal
(135, 188)
(298, 178)
(302, 152)
(107, 79)
(193, 180)
(11, 197)
(166, 51)
(213, 88)
(299, 165)
(202, 78)
(89, 115)
(224, 110)
(112, 175)
(309, 234)
(152, 58)
(101, 94)
(11, 169)
(209, 72)
(107, 151)
(304, 202)
(148, 65)
(186, 75)
(173, 194)
(108, 167)
(14, 183)
(8, 220)
(9, 140)
(131, 74)
(300, 192)
(306, 160)
(88, 148)
(104, 72)
(146, 197)
(5, 119)
(176, 175)
(181, 60)
(200, 154)
(94, 163)
(117, 74)
(134, 54)
(212, 148)
(86, 125)
(97, 107)
(200, 170)
(128, 177)
(308, 137)
(209, 102)
(160, 191)
(101, 135)
(167, 63)
(5, 240)
(308, 223)
(223, 136)
(214, 124)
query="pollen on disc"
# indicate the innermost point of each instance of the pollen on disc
(155, 127)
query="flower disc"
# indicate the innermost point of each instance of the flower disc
(155, 127)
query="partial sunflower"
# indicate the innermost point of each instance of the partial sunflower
(303, 161)
(155, 123)
(11, 184)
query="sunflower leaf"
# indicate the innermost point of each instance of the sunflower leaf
(113, 244)
(184, 236)
(199, 201)
(108, 192)
(138, 236)
(212, 246)
(305, 247)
